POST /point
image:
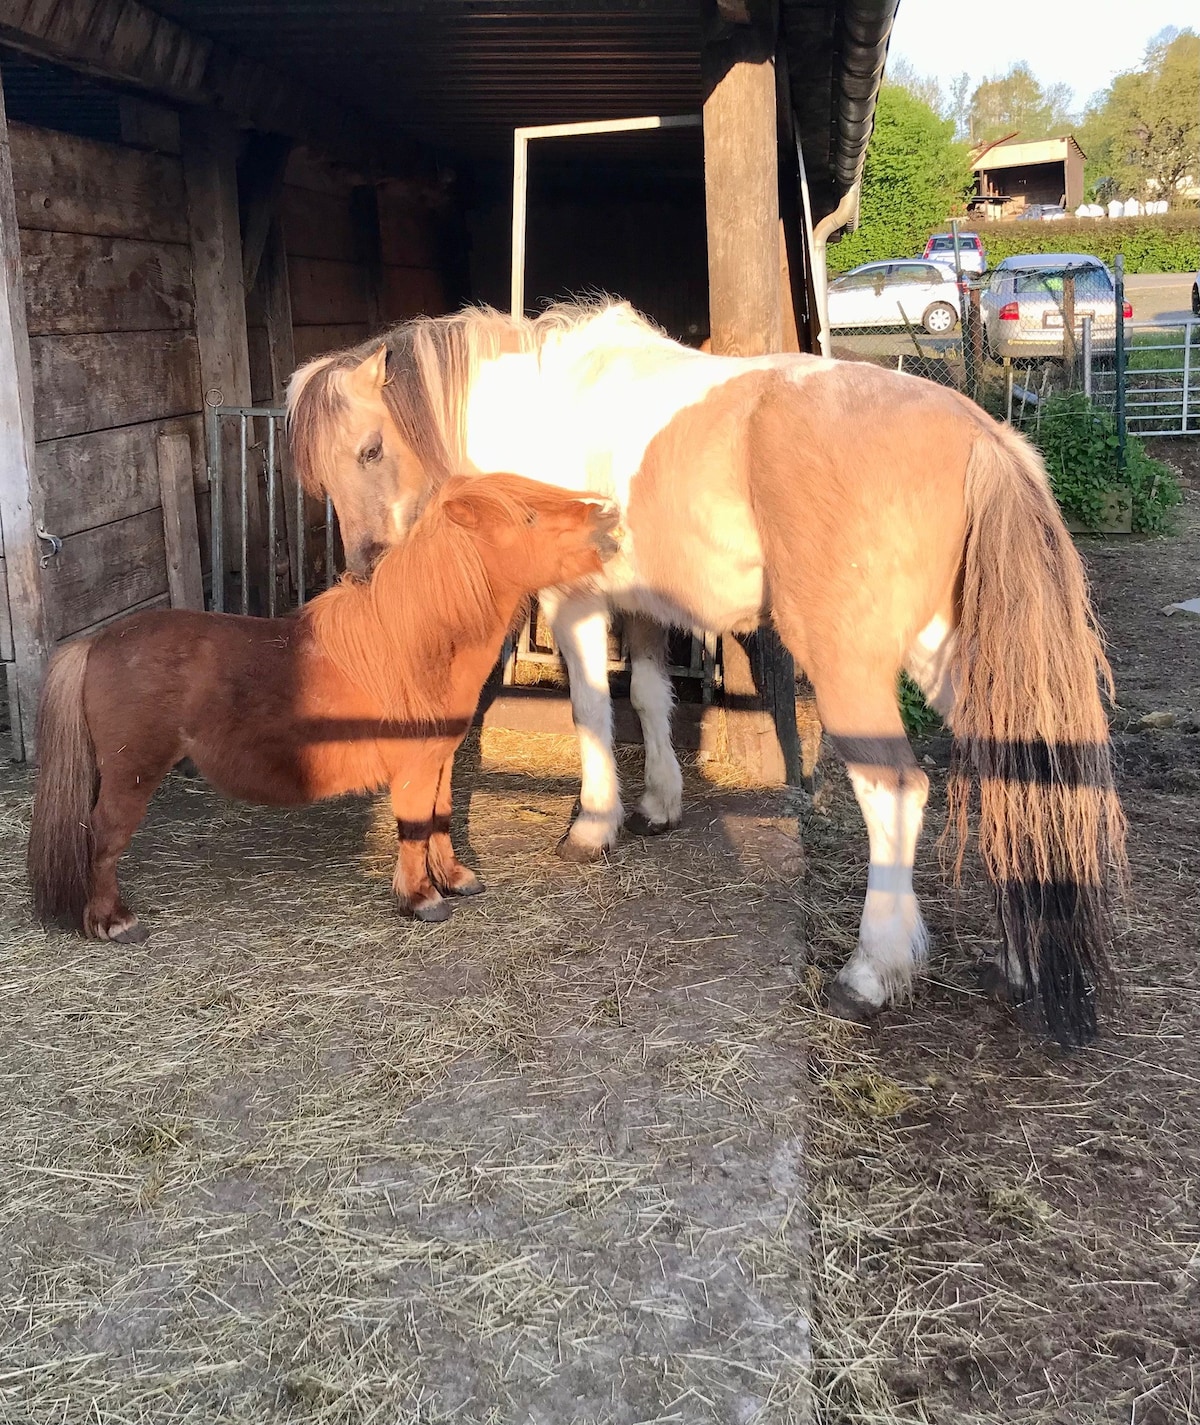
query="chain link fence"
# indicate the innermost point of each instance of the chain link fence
(1026, 333)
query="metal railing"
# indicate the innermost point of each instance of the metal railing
(1162, 379)
(254, 439)
(283, 494)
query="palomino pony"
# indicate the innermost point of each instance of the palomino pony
(373, 685)
(881, 522)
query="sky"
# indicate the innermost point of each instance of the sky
(1083, 43)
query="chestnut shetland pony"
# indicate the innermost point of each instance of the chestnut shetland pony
(372, 685)
(879, 521)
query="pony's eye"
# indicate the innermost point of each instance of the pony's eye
(372, 451)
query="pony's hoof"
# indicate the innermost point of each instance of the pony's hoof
(995, 984)
(432, 912)
(578, 853)
(135, 934)
(844, 1003)
(637, 823)
(473, 887)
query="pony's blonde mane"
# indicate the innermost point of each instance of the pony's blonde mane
(394, 634)
(432, 363)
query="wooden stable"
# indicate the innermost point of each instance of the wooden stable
(194, 198)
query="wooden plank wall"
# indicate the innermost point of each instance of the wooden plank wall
(110, 305)
(344, 281)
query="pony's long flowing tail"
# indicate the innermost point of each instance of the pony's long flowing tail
(1029, 724)
(60, 837)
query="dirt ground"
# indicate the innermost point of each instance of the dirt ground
(297, 1160)
(1002, 1233)
(591, 1152)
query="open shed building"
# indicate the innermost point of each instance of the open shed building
(199, 194)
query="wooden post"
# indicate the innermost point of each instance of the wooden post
(260, 184)
(973, 341)
(364, 208)
(20, 495)
(1068, 320)
(745, 297)
(281, 348)
(180, 532)
(209, 146)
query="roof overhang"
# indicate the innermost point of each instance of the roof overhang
(377, 80)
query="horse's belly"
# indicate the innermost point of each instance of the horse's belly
(699, 573)
(693, 540)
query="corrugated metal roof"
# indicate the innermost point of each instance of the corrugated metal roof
(462, 74)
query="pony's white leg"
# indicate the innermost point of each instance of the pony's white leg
(653, 699)
(929, 663)
(580, 624)
(892, 940)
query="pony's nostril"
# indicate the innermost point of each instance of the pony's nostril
(364, 559)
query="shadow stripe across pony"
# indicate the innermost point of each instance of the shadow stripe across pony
(373, 684)
(879, 521)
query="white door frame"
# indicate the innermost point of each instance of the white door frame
(521, 141)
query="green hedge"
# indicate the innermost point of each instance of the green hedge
(1169, 242)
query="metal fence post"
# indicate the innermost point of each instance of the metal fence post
(244, 516)
(271, 556)
(1188, 331)
(1070, 352)
(1086, 354)
(1119, 357)
(216, 505)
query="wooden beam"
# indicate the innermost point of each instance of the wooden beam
(364, 207)
(741, 178)
(180, 532)
(275, 292)
(20, 497)
(260, 186)
(127, 41)
(210, 174)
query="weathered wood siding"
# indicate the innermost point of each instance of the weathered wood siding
(110, 310)
(353, 267)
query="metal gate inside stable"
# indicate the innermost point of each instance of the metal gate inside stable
(251, 440)
(304, 562)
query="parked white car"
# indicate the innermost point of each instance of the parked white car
(895, 294)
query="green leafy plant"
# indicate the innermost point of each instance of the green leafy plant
(1079, 444)
(915, 176)
(1168, 242)
(1155, 489)
(918, 717)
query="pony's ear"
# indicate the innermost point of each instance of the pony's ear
(368, 377)
(462, 511)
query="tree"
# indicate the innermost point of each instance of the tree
(1017, 103)
(903, 74)
(958, 105)
(1142, 135)
(914, 177)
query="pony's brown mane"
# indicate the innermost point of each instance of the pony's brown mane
(393, 635)
(431, 364)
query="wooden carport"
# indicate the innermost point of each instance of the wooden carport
(196, 194)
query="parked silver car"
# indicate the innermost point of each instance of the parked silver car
(1022, 307)
(895, 294)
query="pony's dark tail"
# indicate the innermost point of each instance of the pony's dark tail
(1030, 727)
(60, 836)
